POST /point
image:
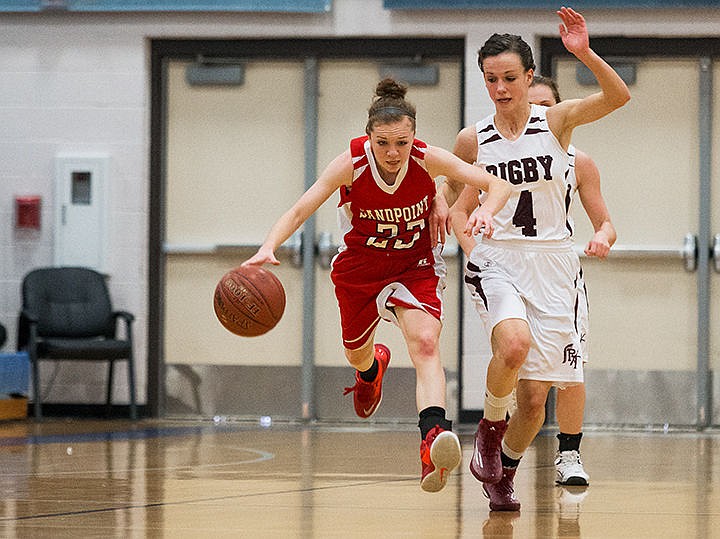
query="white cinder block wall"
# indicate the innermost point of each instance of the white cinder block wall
(79, 83)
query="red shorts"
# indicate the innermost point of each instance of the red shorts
(368, 287)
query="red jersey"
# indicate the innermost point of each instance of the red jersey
(382, 219)
(385, 258)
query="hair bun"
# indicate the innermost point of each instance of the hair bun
(390, 88)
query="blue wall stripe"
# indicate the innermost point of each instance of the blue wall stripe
(578, 5)
(290, 6)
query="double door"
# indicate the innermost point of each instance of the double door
(238, 156)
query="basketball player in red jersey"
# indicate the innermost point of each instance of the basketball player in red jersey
(389, 265)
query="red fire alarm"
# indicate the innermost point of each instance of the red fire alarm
(27, 212)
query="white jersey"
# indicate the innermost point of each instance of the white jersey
(529, 270)
(537, 171)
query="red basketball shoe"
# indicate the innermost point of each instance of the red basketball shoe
(485, 464)
(440, 454)
(368, 395)
(502, 494)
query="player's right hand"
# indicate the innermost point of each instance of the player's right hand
(264, 255)
(479, 222)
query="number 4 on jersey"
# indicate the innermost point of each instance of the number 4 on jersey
(524, 217)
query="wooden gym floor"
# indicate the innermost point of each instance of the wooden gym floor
(153, 479)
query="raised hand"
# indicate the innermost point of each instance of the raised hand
(573, 31)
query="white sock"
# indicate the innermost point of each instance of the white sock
(496, 407)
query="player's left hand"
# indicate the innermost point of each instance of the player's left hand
(598, 246)
(573, 31)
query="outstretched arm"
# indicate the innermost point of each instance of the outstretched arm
(466, 149)
(443, 163)
(337, 173)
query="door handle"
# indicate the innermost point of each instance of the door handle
(291, 249)
(294, 247)
(326, 249)
(690, 251)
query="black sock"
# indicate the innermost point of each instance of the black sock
(432, 416)
(370, 374)
(569, 442)
(507, 462)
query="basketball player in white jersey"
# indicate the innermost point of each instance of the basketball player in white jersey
(525, 280)
(583, 179)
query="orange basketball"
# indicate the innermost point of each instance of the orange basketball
(249, 301)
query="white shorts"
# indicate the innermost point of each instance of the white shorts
(540, 283)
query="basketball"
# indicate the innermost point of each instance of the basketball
(249, 301)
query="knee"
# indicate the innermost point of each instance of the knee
(513, 350)
(426, 347)
(428, 344)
